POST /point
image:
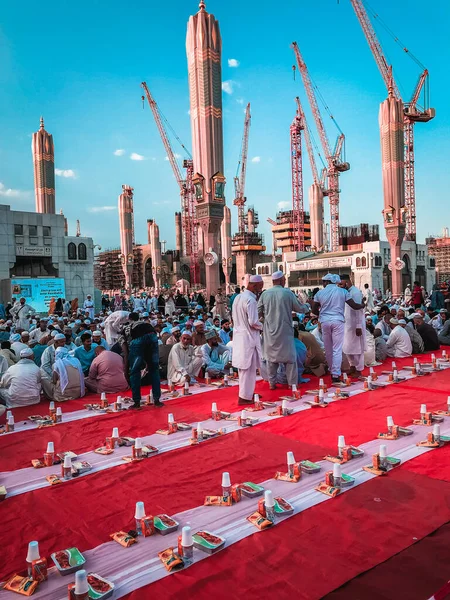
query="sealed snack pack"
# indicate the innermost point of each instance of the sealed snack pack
(218, 501)
(293, 478)
(37, 463)
(283, 507)
(378, 468)
(164, 524)
(21, 585)
(62, 455)
(39, 571)
(251, 490)
(53, 479)
(99, 588)
(124, 539)
(208, 542)
(309, 467)
(68, 561)
(171, 560)
(328, 490)
(104, 450)
(259, 521)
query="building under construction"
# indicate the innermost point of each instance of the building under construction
(439, 249)
(353, 236)
(285, 234)
(109, 274)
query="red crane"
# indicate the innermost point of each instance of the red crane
(336, 163)
(412, 112)
(189, 223)
(298, 214)
(239, 180)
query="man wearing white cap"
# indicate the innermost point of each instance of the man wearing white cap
(355, 328)
(99, 340)
(247, 338)
(88, 307)
(332, 300)
(41, 331)
(183, 364)
(398, 344)
(20, 312)
(47, 362)
(21, 384)
(275, 307)
(175, 335)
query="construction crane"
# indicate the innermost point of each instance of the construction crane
(336, 163)
(239, 180)
(412, 112)
(189, 223)
(298, 214)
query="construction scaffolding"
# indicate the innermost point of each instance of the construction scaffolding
(353, 235)
(108, 271)
(439, 250)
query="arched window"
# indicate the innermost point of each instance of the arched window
(358, 262)
(281, 268)
(72, 251)
(259, 270)
(82, 254)
(266, 270)
(363, 261)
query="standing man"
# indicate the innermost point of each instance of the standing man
(88, 307)
(331, 300)
(368, 296)
(247, 338)
(355, 327)
(275, 307)
(20, 312)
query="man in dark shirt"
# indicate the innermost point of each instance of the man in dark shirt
(427, 333)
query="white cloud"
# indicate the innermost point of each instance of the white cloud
(228, 86)
(11, 193)
(98, 209)
(256, 159)
(119, 152)
(135, 156)
(233, 62)
(67, 173)
(282, 205)
(175, 154)
(240, 100)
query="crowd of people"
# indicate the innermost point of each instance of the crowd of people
(274, 332)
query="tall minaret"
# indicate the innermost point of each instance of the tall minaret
(44, 170)
(126, 226)
(204, 48)
(393, 172)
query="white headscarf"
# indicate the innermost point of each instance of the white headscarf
(62, 359)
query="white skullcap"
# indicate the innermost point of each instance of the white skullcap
(276, 275)
(174, 329)
(59, 336)
(97, 333)
(197, 323)
(87, 322)
(255, 279)
(15, 337)
(26, 352)
(402, 322)
(416, 315)
(327, 277)
(335, 279)
(187, 332)
(393, 322)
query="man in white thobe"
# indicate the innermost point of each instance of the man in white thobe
(368, 296)
(113, 324)
(275, 307)
(20, 312)
(332, 300)
(41, 331)
(21, 384)
(399, 343)
(355, 328)
(88, 307)
(183, 364)
(247, 338)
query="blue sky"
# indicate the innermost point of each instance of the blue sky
(80, 65)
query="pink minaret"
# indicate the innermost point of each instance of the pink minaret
(126, 225)
(393, 171)
(204, 48)
(44, 170)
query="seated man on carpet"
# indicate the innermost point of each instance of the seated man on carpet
(106, 373)
(175, 335)
(380, 345)
(86, 352)
(47, 362)
(183, 364)
(216, 357)
(8, 354)
(198, 336)
(21, 384)
(315, 356)
(427, 332)
(398, 344)
(98, 339)
(416, 340)
(68, 378)
(444, 334)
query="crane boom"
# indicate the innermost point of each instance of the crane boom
(335, 162)
(189, 223)
(239, 180)
(297, 181)
(309, 147)
(411, 114)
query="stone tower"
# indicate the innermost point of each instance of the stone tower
(44, 170)
(204, 48)
(126, 225)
